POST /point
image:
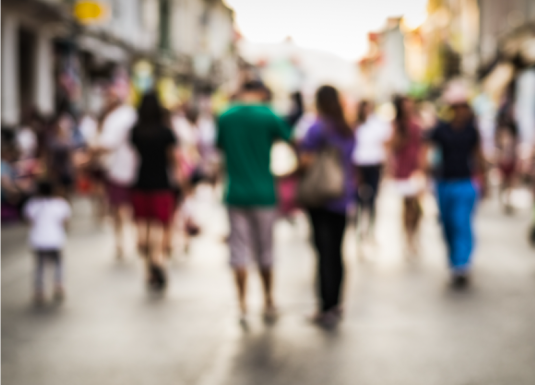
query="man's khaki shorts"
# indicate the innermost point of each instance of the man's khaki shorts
(251, 236)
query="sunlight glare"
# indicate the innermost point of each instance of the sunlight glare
(336, 26)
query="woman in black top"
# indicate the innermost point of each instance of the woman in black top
(458, 180)
(152, 198)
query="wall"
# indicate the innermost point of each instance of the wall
(499, 16)
(130, 23)
(40, 69)
(392, 77)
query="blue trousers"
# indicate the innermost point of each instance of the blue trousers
(457, 201)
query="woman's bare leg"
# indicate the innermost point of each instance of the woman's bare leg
(143, 238)
(99, 202)
(240, 276)
(266, 275)
(118, 230)
(156, 249)
(411, 221)
(167, 239)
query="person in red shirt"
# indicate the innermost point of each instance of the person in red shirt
(405, 147)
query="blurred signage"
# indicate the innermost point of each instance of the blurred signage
(89, 12)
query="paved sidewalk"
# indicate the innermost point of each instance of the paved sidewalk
(403, 325)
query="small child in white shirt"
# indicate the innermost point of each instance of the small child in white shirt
(48, 215)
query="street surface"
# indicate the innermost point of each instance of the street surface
(403, 324)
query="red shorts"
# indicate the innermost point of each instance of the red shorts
(118, 195)
(153, 205)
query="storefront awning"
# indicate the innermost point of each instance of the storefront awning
(42, 11)
(517, 47)
(103, 50)
(519, 44)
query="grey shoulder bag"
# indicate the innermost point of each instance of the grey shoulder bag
(323, 180)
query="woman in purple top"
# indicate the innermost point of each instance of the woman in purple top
(328, 222)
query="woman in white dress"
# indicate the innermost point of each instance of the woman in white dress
(372, 135)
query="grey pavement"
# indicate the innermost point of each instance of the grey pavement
(403, 325)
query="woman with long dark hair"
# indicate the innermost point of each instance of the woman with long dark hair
(372, 135)
(329, 219)
(153, 198)
(507, 139)
(405, 147)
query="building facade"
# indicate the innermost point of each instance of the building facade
(383, 71)
(497, 19)
(50, 57)
(202, 34)
(28, 32)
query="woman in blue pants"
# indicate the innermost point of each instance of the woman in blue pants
(459, 145)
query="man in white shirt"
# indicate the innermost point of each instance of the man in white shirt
(120, 162)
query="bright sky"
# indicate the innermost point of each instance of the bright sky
(336, 26)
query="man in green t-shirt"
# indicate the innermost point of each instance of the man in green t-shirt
(246, 133)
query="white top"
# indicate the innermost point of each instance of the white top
(207, 131)
(189, 139)
(121, 161)
(47, 217)
(89, 130)
(27, 142)
(187, 133)
(371, 139)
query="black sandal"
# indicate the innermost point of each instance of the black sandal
(158, 280)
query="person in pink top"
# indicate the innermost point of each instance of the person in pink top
(405, 146)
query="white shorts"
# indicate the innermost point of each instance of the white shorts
(409, 187)
(251, 236)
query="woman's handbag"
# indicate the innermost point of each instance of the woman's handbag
(323, 180)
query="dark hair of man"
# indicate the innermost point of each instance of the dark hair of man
(329, 107)
(463, 114)
(45, 189)
(253, 86)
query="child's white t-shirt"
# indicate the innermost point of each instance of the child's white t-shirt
(47, 216)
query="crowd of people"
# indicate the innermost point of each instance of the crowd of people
(145, 164)
(340, 166)
(139, 165)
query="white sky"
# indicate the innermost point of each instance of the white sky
(336, 26)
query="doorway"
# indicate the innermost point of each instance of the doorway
(26, 79)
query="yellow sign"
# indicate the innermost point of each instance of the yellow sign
(88, 12)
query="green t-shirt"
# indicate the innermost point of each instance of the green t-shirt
(246, 133)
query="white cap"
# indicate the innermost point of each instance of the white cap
(456, 93)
